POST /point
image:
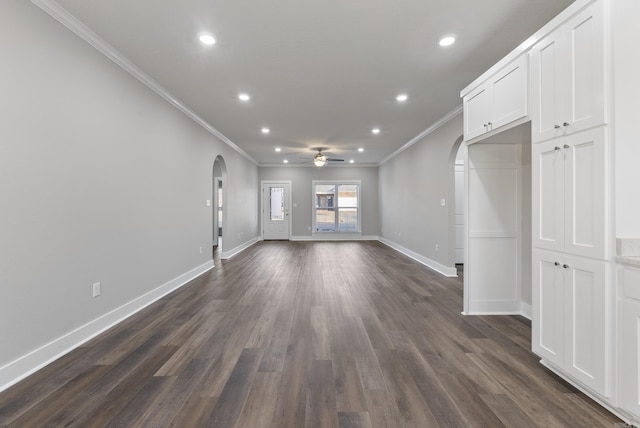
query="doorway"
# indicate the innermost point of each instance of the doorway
(276, 221)
(219, 201)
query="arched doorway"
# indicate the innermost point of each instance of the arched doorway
(219, 179)
(457, 168)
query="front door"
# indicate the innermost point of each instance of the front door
(275, 210)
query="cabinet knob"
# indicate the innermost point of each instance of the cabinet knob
(565, 266)
(489, 123)
(556, 148)
(566, 146)
(556, 126)
(565, 124)
(556, 264)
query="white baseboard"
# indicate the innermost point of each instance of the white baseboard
(226, 255)
(334, 237)
(28, 364)
(526, 310)
(440, 268)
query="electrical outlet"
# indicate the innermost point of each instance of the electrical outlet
(437, 248)
(200, 250)
(443, 202)
(96, 289)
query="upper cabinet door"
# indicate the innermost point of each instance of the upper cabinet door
(567, 77)
(500, 100)
(509, 89)
(476, 112)
(585, 90)
(546, 88)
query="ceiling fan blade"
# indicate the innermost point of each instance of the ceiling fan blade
(334, 160)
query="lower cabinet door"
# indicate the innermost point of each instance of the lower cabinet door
(548, 321)
(587, 321)
(631, 356)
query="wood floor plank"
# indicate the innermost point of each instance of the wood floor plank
(321, 411)
(231, 401)
(295, 334)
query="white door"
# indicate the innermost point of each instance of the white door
(476, 112)
(547, 186)
(548, 319)
(585, 204)
(584, 105)
(586, 318)
(509, 94)
(275, 210)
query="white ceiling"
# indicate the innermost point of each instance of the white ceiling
(320, 73)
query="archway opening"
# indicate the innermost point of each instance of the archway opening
(219, 217)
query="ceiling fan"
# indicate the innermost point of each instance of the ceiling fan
(321, 159)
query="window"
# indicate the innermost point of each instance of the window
(336, 206)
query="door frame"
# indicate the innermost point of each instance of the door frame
(263, 183)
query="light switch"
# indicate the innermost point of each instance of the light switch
(442, 202)
(208, 202)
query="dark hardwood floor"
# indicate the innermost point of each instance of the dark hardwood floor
(293, 334)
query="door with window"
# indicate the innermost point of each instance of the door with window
(276, 222)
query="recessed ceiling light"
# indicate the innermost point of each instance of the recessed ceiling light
(265, 130)
(285, 161)
(375, 130)
(278, 149)
(361, 149)
(447, 41)
(402, 97)
(244, 97)
(351, 161)
(207, 39)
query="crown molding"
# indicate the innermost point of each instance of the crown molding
(446, 118)
(61, 15)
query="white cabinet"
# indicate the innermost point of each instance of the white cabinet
(569, 187)
(568, 78)
(631, 341)
(572, 314)
(500, 100)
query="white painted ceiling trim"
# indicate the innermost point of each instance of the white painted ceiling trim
(446, 118)
(65, 18)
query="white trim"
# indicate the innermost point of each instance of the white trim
(446, 118)
(28, 364)
(226, 255)
(440, 268)
(317, 237)
(526, 310)
(76, 26)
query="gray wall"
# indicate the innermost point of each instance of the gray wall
(100, 180)
(411, 187)
(301, 179)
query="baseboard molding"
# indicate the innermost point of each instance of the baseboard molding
(526, 310)
(28, 364)
(431, 264)
(340, 237)
(226, 255)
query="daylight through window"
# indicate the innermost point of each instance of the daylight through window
(336, 206)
